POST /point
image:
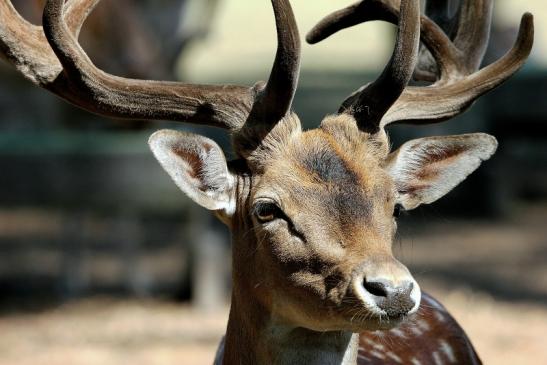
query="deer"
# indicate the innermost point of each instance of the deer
(312, 213)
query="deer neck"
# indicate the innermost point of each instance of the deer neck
(255, 335)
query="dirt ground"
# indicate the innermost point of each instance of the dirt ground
(492, 276)
(115, 332)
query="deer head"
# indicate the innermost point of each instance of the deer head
(312, 213)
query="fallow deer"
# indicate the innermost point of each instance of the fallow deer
(312, 213)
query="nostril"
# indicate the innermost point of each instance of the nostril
(376, 288)
(394, 300)
(407, 289)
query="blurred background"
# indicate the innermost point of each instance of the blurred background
(103, 260)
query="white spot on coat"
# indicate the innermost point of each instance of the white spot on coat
(377, 354)
(423, 325)
(361, 357)
(416, 331)
(440, 316)
(394, 357)
(437, 358)
(448, 351)
(397, 332)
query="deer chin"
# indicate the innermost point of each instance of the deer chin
(340, 310)
(365, 316)
(354, 318)
(379, 322)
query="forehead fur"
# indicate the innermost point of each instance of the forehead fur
(335, 169)
(344, 129)
(276, 142)
(339, 132)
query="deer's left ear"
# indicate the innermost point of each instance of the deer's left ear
(426, 169)
(198, 166)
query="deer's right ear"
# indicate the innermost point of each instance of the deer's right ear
(198, 167)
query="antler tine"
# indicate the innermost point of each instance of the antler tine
(369, 105)
(275, 100)
(456, 83)
(58, 63)
(420, 105)
(105, 94)
(76, 12)
(473, 31)
(387, 10)
(468, 36)
(438, 13)
(31, 54)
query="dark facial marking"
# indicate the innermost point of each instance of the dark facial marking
(349, 205)
(329, 167)
(344, 198)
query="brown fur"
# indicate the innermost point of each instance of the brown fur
(339, 201)
(318, 265)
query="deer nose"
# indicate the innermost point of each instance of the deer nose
(395, 300)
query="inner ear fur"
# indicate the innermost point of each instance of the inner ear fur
(426, 169)
(197, 165)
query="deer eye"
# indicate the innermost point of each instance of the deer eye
(267, 212)
(397, 210)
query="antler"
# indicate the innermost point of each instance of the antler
(52, 58)
(371, 103)
(454, 66)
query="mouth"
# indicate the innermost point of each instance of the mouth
(389, 322)
(365, 319)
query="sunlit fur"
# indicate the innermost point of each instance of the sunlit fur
(303, 266)
(331, 185)
(312, 221)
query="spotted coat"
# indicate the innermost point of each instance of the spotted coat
(433, 337)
